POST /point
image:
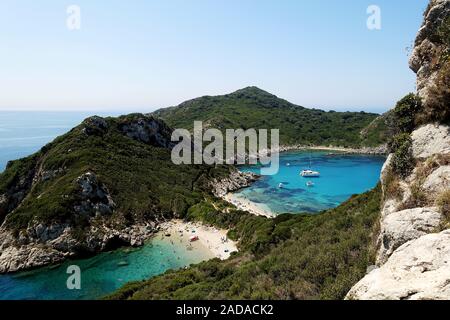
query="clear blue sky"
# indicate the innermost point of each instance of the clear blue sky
(140, 55)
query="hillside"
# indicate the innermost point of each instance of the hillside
(402, 226)
(254, 108)
(289, 257)
(107, 182)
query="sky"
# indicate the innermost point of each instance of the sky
(141, 55)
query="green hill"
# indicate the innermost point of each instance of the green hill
(255, 108)
(89, 188)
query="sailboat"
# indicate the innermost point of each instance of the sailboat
(310, 173)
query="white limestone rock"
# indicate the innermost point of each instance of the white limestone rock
(429, 140)
(400, 227)
(438, 181)
(418, 270)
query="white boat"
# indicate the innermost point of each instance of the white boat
(310, 173)
(288, 164)
(310, 184)
(280, 186)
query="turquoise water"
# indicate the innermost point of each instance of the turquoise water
(342, 175)
(101, 274)
(24, 133)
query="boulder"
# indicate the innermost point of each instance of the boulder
(400, 227)
(438, 181)
(429, 140)
(418, 270)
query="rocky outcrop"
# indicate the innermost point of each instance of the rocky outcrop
(438, 181)
(429, 140)
(413, 258)
(95, 126)
(424, 60)
(418, 270)
(400, 226)
(148, 130)
(235, 181)
(41, 245)
(94, 197)
(44, 243)
(403, 226)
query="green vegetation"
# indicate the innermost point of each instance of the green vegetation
(140, 177)
(289, 257)
(403, 116)
(437, 108)
(437, 105)
(443, 203)
(403, 160)
(254, 108)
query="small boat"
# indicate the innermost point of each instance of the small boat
(310, 184)
(288, 164)
(194, 238)
(280, 186)
(310, 173)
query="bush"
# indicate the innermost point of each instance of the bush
(443, 202)
(404, 114)
(403, 160)
(437, 106)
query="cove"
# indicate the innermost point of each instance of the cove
(341, 176)
(101, 274)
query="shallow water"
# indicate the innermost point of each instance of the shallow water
(102, 274)
(342, 175)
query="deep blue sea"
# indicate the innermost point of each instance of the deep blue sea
(22, 133)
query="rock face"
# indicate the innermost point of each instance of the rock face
(429, 140)
(427, 49)
(95, 198)
(403, 226)
(420, 269)
(437, 181)
(235, 181)
(148, 130)
(400, 227)
(413, 258)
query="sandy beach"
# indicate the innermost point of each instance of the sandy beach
(244, 204)
(211, 241)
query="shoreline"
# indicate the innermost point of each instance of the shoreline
(260, 209)
(212, 242)
(245, 204)
(380, 150)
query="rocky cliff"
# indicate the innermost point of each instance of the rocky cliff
(108, 182)
(413, 258)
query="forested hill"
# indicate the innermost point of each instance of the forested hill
(252, 107)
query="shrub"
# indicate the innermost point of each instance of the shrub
(437, 106)
(443, 202)
(392, 188)
(402, 118)
(403, 161)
